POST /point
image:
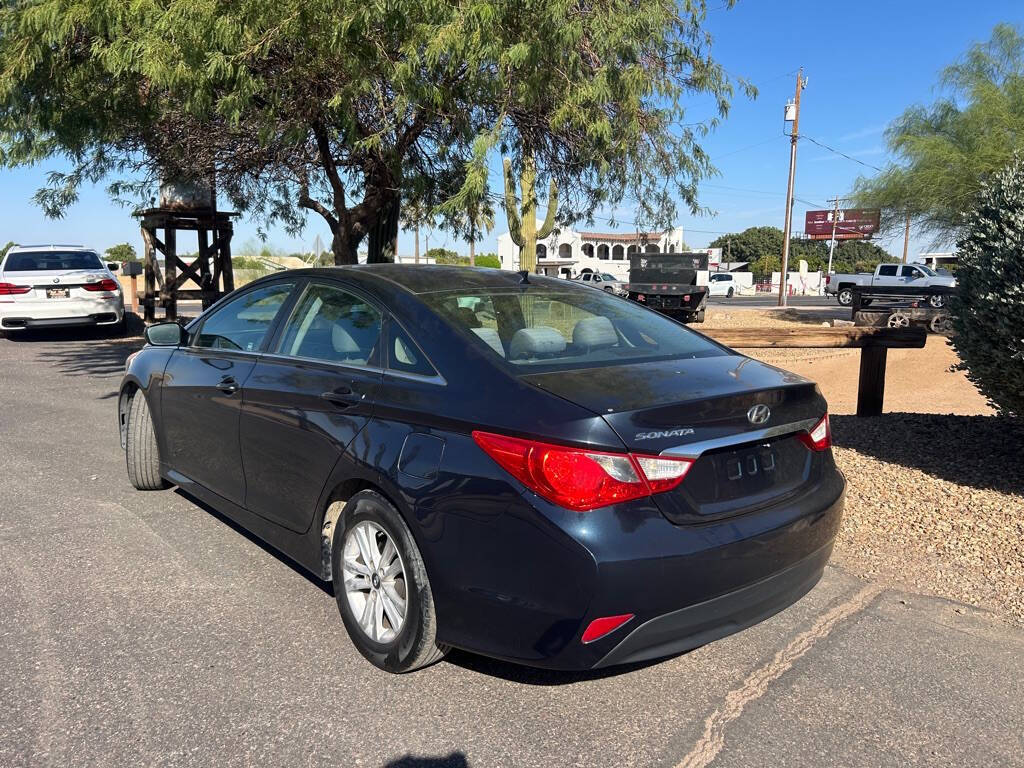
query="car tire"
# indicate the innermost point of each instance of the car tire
(609, 289)
(845, 296)
(141, 450)
(414, 645)
(698, 316)
(730, 293)
(936, 301)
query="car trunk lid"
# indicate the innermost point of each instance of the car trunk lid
(737, 418)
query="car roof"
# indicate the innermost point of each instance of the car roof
(49, 247)
(431, 278)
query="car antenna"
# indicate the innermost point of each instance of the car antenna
(524, 277)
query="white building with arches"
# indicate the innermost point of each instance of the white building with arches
(567, 252)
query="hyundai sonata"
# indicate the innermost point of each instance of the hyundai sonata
(518, 466)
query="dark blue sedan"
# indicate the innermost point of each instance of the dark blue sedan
(518, 466)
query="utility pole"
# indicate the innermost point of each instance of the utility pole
(832, 245)
(787, 230)
(906, 238)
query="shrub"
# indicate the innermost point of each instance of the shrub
(488, 260)
(988, 308)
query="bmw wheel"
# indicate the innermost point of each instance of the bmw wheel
(381, 585)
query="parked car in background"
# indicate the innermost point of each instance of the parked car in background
(721, 284)
(46, 286)
(675, 284)
(511, 464)
(841, 285)
(604, 281)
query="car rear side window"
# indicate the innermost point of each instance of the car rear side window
(41, 261)
(404, 355)
(887, 270)
(553, 330)
(242, 324)
(333, 325)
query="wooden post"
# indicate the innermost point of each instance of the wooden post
(170, 273)
(205, 282)
(225, 254)
(149, 279)
(871, 387)
(135, 296)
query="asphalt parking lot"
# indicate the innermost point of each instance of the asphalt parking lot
(142, 628)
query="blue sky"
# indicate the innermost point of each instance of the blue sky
(865, 62)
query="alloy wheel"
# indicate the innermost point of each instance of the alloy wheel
(374, 581)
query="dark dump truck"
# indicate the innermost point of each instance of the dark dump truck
(667, 282)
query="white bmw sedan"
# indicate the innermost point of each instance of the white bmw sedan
(45, 286)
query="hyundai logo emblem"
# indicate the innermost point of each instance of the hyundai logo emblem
(759, 414)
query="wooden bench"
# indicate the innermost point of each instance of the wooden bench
(872, 342)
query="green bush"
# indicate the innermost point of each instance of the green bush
(988, 308)
(488, 260)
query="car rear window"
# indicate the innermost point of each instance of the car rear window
(39, 261)
(556, 330)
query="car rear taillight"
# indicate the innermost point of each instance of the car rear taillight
(820, 437)
(10, 289)
(828, 279)
(578, 479)
(106, 284)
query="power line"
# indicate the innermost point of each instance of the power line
(843, 154)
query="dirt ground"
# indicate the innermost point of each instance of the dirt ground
(935, 495)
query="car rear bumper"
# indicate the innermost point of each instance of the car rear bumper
(530, 599)
(21, 315)
(697, 625)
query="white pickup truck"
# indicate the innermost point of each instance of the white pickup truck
(908, 275)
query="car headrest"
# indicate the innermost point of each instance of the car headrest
(538, 341)
(467, 317)
(343, 342)
(491, 338)
(594, 333)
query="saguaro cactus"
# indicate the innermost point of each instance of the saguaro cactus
(522, 219)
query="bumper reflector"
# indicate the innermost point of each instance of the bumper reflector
(605, 625)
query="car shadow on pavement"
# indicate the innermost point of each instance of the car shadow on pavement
(516, 673)
(454, 760)
(325, 586)
(983, 452)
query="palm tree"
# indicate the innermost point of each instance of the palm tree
(479, 220)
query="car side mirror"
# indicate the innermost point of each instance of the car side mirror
(166, 335)
(113, 267)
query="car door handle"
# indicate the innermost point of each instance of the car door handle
(228, 385)
(342, 396)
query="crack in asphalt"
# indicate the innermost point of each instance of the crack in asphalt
(757, 683)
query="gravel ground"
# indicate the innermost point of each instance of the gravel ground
(936, 503)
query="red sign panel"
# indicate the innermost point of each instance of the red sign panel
(852, 223)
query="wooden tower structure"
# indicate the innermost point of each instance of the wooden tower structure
(210, 270)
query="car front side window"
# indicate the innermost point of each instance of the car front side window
(242, 324)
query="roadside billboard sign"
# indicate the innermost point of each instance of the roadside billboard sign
(852, 224)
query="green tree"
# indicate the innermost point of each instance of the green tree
(988, 307)
(6, 248)
(447, 256)
(762, 247)
(948, 150)
(346, 109)
(488, 260)
(121, 252)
